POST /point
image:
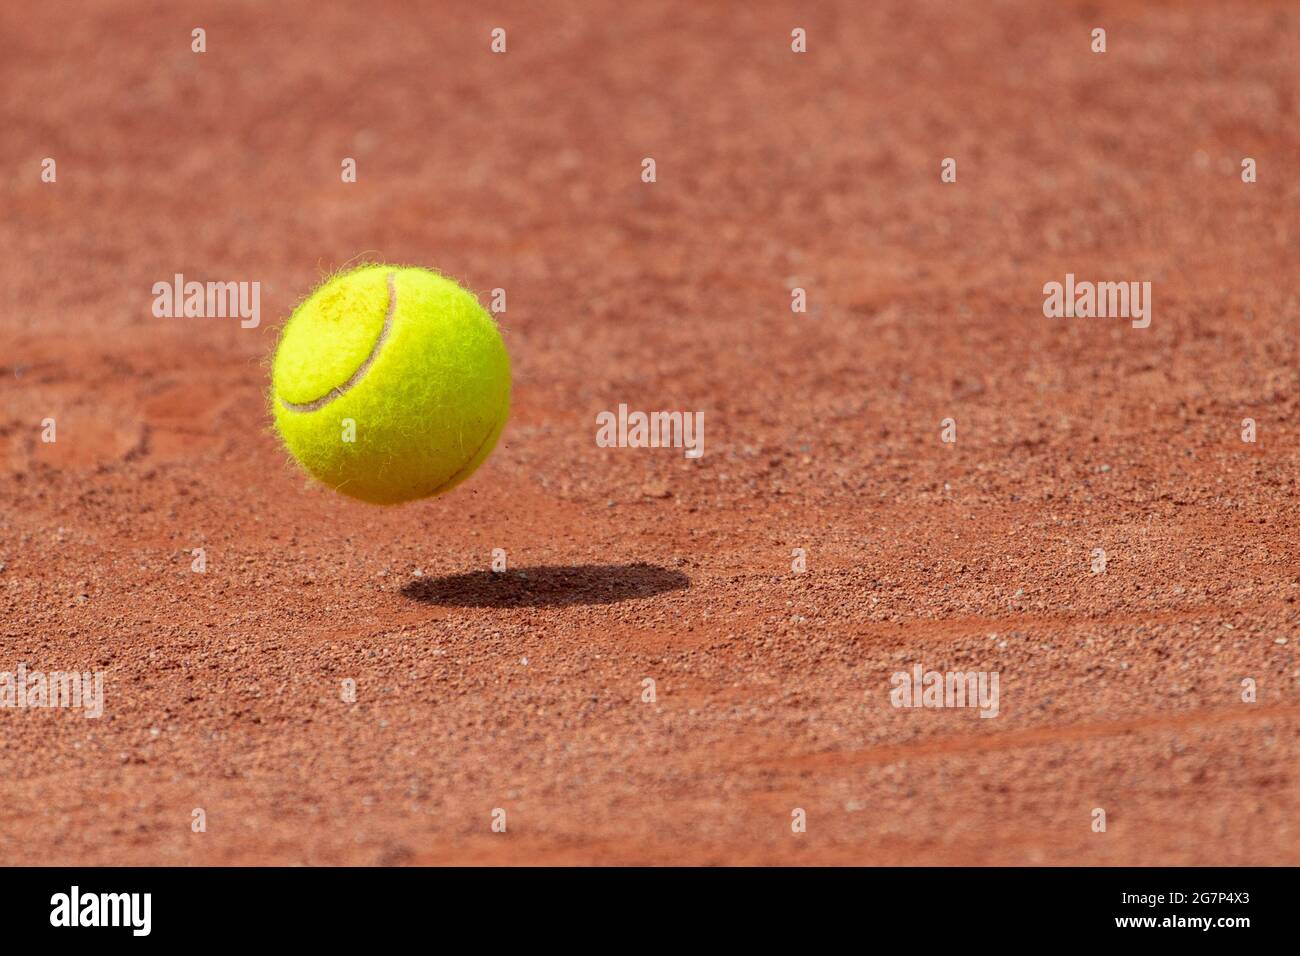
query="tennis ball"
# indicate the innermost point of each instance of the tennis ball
(390, 384)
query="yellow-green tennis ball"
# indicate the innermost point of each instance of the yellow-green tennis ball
(390, 384)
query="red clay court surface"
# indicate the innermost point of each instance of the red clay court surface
(1120, 690)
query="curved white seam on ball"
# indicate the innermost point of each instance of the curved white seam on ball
(456, 474)
(339, 390)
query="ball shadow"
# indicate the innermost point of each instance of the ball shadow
(547, 586)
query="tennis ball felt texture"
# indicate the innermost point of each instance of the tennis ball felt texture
(412, 361)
